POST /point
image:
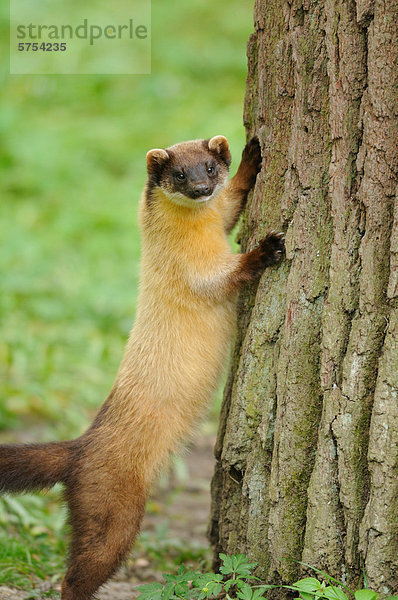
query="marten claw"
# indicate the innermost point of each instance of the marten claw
(272, 248)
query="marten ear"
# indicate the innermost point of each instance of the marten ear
(155, 160)
(219, 144)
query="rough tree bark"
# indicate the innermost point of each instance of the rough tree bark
(307, 446)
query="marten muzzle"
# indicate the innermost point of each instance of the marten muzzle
(201, 189)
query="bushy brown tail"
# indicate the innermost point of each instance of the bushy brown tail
(28, 467)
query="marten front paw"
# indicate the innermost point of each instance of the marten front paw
(269, 252)
(251, 160)
(272, 248)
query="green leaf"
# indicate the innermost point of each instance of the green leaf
(245, 592)
(246, 569)
(325, 575)
(168, 591)
(227, 567)
(181, 588)
(248, 593)
(310, 595)
(150, 591)
(308, 584)
(237, 563)
(365, 594)
(214, 587)
(208, 584)
(257, 594)
(334, 593)
(201, 580)
(241, 564)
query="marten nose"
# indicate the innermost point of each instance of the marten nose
(201, 189)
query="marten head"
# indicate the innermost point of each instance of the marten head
(189, 173)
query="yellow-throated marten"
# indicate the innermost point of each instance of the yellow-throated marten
(173, 360)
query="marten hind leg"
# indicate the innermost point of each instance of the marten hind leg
(105, 521)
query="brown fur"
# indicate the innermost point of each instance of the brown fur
(173, 360)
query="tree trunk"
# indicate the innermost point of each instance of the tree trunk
(307, 446)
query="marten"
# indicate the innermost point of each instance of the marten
(173, 360)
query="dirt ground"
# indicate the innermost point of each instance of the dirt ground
(185, 512)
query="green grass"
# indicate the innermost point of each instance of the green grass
(72, 167)
(32, 539)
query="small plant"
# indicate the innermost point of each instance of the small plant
(233, 582)
(311, 588)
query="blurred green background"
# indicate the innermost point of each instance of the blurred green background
(72, 167)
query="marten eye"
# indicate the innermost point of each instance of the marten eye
(180, 176)
(210, 170)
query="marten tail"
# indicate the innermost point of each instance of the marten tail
(28, 467)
